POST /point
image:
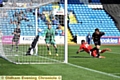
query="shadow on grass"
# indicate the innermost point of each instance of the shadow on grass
(80, 57)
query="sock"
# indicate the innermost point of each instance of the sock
(16, 48)
(48, 48)
(12, 46)
(56, 50)
(103, 51)
(98, 52)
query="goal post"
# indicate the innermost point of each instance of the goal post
(31, 16)
(66, 24)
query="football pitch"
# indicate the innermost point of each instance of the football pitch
(80, 67)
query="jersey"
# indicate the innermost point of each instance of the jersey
(86, 47)
(96, 37)
(18, 31)
(49, 34)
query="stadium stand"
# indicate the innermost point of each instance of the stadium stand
(84, 19)
(112, 8)
(90, 18)
(27, 27)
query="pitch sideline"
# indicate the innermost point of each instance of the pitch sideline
(92, 70)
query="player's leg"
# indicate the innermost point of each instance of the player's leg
(104, 50)
(55, 46)
(12, 46)
(95, 54)
(97, 44)
(98, 48)
(48, 46)
(13, 40)
(56, 50)
(101, 56)
(16, 42)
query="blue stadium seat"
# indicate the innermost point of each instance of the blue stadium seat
(88, 19)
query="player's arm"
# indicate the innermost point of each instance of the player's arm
(53, 34)
(102, 33)
(93, 36)
(14, 31)
(44, 34)
(80, 50)
(19, 32)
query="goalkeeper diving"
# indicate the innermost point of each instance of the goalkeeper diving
(49, 35)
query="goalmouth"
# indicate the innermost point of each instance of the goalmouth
(31, 16)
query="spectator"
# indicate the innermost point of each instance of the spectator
(68, 20)
(13, 22)
(63, 33)
(5, 14)
(15, 14)
(55, 21)
(88, 38)
(43, 17)
(59, 27)
(75, 38)
(51, 16)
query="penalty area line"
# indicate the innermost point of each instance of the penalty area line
(92, 70)
(113, 52)
(115, 73)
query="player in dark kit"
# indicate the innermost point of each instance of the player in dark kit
(96, 39)
(16, 37)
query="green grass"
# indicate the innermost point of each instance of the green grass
(109, 65)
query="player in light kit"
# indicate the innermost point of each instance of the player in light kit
(50, 38)
(87, 48)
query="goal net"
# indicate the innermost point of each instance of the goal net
(25, 36)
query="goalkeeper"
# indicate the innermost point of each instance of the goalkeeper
(50, 38)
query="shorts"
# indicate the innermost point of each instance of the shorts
(50, 42)
(95, 54)
(97, 43)
(15, 39)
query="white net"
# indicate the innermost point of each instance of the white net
(24, 29)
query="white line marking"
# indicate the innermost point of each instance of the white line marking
(92, 70)
(36, 55)
(115, 73)
(114, 52)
